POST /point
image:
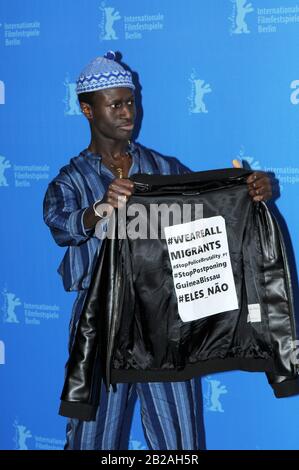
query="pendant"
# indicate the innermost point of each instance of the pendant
(120, 172)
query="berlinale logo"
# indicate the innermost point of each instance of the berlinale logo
(72, 107)
(248, 161)
(295, 94)
(109, 17)
(2, 92)
(198, 90)
(21, 436)
(4, 165)
(212, 397)
(240, 10)
(10, 304)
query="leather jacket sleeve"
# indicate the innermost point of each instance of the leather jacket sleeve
(279, 302)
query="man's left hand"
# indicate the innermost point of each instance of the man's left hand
(259, 184)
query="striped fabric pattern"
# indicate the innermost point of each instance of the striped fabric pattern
(170, 414)
(78, 185)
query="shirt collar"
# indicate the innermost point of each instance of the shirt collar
(95, 160)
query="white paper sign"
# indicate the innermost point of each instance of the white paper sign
(201, 268)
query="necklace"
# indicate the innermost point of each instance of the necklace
(117, 167)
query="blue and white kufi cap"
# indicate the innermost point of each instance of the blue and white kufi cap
(102, 73)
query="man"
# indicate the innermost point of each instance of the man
(73, 208)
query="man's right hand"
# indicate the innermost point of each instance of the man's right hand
(115, 197)
(118, 192)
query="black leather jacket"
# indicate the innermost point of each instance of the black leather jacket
(130, 330)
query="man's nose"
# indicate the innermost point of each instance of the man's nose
(127, 111)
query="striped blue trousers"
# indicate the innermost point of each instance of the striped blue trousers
(171, 412)
(170, 417)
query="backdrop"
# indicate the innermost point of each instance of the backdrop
(219, 80)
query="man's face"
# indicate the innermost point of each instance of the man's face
(113, 113)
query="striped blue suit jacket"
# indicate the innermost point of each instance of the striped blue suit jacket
(78, 185)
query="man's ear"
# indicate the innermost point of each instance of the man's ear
(86, 110)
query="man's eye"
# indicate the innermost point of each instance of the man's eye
(115, 105)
